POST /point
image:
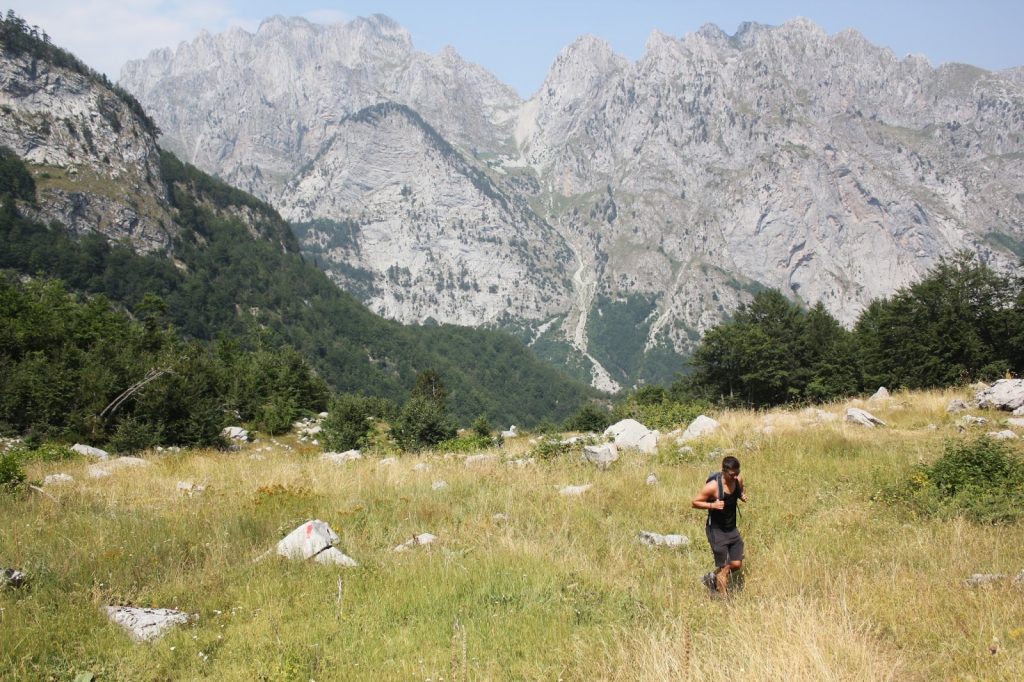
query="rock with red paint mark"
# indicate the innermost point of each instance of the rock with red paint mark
(307, 540)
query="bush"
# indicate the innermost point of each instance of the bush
(550, 447)
(422, 423)
(981, 480)
(591, 417)
(133, 435)
(482, 426)
(12, 475)
(276, 415)
(473, 442)
(349, 422)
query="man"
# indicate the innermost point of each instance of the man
(719, 496)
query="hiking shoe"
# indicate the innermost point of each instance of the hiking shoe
(710, 582)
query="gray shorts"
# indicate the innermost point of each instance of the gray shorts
(725, 545)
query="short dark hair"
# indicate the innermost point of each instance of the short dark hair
(730, 463)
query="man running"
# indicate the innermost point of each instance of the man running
(719, 496)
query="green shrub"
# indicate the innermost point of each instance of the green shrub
(349, 422)
(482, 426)
(12, 475)
(982, 480)
(422, 423)
(472, 442)
(133, 435)
(276, 415)
(591, 417)
(48, 451)
(550, 447)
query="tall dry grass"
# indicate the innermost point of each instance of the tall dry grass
(838, 585)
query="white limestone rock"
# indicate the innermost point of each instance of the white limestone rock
(307, 540)
(332, 556)
(601, 455)
(698, 428)
(57, 479)
(189, 488)
(513, 432)
(956, 405)
(855, 415)
(575, 490)
(1005, 434)
(657, 540)
(652, 479)
(342, 457)
(416, 541)
(90, 451)
(146, 624)
(881, 395)
(521, 462)
(438, 485)
(236, 433)
(1005, 394)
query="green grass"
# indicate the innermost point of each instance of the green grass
(840, 584)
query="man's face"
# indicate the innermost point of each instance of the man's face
(731, 474)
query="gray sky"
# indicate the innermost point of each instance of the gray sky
(518, 39)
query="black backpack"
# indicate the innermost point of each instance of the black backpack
(717, 476)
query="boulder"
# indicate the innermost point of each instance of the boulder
(1005, 394)
(629, 433)
(481, 460)
(421, 466)
(698, 428)
(955, 406)
(575, 490)
(147, 624)
(307, 540)
(652, 479)
(1019, 423)
(520, 463)
(57, 479)
(108, 467)
(235, 433)
(332, 556)
(1019, 412)
(512, 432)
(90, 451)
(1005, 434)
(601, 455)
(880, 395)
(342, 457)
(416, 541)
(439, 485)
(387, 461)
(856, 415)
(657, 540)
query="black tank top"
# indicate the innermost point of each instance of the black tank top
(725, 519)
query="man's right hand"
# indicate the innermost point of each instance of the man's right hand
(717, 504)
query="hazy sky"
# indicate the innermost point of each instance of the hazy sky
(518, 40)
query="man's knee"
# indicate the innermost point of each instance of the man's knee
(735, 565)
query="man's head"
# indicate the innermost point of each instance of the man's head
(730, 466)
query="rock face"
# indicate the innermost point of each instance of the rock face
(95, 164)
(625, 200)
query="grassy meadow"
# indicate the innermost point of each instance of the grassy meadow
(840, 583)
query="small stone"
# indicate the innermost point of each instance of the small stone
(652, 479)
(439, 485)
(12, 577)
(56, 479)
(416, 541)
(342, 457)
(978, 579)
(575, 490)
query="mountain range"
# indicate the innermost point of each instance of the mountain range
(626, 207)
(88, 195)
